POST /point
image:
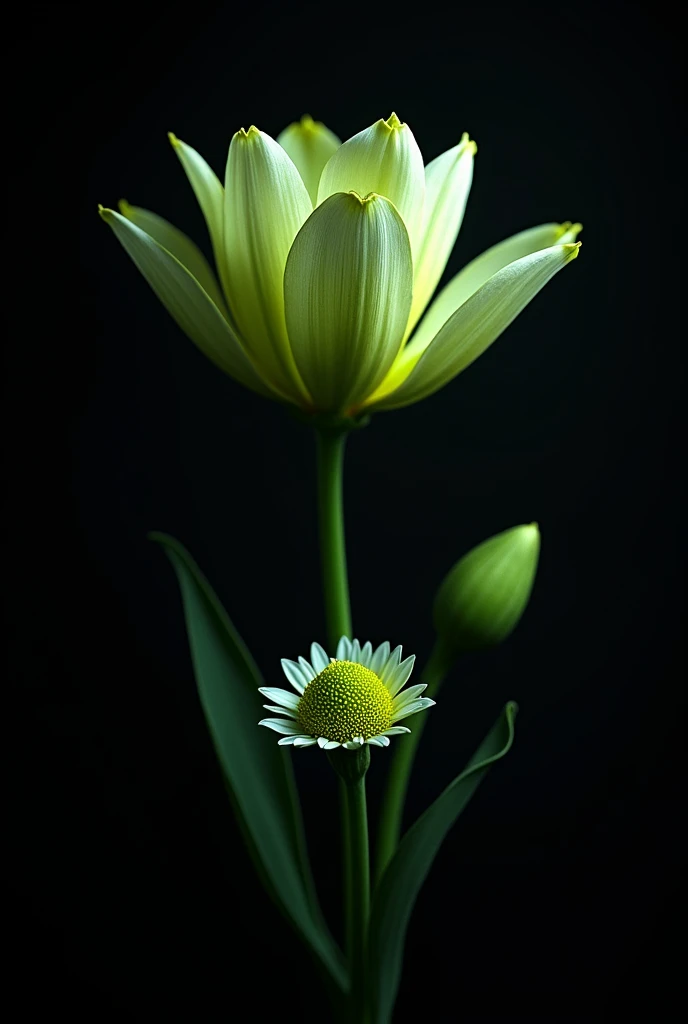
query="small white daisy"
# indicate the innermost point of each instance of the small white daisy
(345, 701)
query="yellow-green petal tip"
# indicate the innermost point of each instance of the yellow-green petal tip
(173, 139)
(393, 122)
(106, 214)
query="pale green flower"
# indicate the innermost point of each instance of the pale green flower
(345, 701)
(327, 257)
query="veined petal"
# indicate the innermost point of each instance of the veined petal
(343, 649)
(186, 301)
(286, 726)
(266, 203)
(479, 322)
(310, 145)
(447, 184)
(179, 245)
(210, 194)
(284, 697)
(384, 158)
(295, 674)
(347, 286)
(466, 283)
(319, 659)
(280, 710)
(414, 707)
(380, 658)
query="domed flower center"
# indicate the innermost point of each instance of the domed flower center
(344, 701)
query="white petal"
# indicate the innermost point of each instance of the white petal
(331, 745)
(390, 665)
(322, 742)
(348, 284)
(319, 658)
(280, 710)
(378, 741)
(414, 707)
(288, 740)
(310, 145)
(344, 649)
(186, 301)
(307, 669)
(400, 674)
(355, 651)
(478, 322)
(304, 741)
(351, 745)
(295, 675)
(283, 725)
(396, 730)
(380, 658)
(406, 696)
(366, 654)
(285, 697)
(384, 158)
(266, 203)
(447, 184)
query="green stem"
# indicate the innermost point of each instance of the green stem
(330, 448)
(347, 871)
(389, 829)
(360, 878)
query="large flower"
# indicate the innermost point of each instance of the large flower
(345, 701)
(327, 256)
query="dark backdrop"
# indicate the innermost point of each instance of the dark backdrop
(555, 897)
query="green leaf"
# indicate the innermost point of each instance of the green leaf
(411, 863)
(257, 771)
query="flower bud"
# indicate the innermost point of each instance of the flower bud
(483, 597)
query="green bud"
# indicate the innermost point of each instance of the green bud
(483, 597)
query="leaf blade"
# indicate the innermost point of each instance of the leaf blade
(256, 770)
(406, 872)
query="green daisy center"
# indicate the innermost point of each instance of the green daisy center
(345, 700)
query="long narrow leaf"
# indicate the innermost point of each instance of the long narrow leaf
(257, 772)
(410, 865)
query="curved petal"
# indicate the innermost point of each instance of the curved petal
(447, 184)
(310, 145)
(210, 194)
(348, 285)
(384, 158)
(466, 283)
(179, 245)
(266, 203)
(186, 301)
(479, 322)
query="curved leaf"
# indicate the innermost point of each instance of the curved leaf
(257, 772)
(411, 863)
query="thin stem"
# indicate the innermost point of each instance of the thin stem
(389, 829)
(360, 877)
(347, 873)
(331, 443)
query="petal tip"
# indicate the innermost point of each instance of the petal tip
(173, 139)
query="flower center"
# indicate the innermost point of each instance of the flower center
(344, 701)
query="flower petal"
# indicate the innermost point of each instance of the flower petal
(344, 649)
(348, 285)
(479, 322)
(322, 742)
(283, 725)
(285, 697)
(378, 741)
(331, 745)
(279, 709)
(305, 741)
(355, 651)
(366, 654)
(380, 658)
(414, 707)
(384, 158)
(295, 674)
(319, 658)
(307, 669)
(389, 667)
(408, 695)
(186, 301)
(288, 740)
(180, 246)
(398, 676)
(396, 730)
(309, 144)
(266, 203)
(210, 194)
(447, 184)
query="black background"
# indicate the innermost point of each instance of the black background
(555, 897)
